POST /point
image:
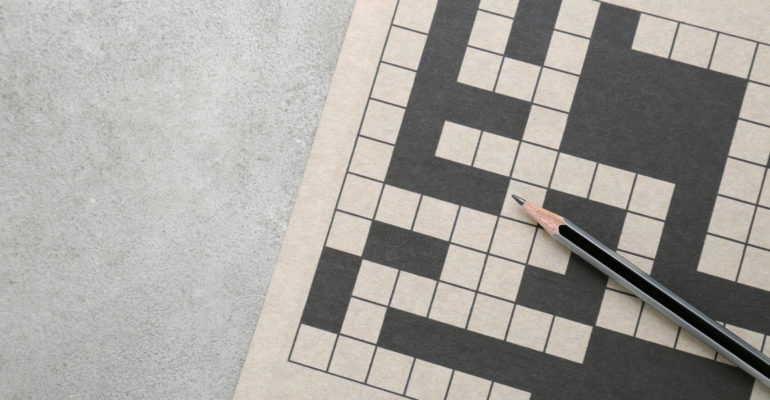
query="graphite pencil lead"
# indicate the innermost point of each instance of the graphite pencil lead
(518, 199)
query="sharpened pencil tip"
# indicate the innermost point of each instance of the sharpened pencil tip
(518, 199)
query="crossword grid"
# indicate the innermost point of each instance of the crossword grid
(480, 277)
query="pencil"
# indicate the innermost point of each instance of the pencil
(652, 292)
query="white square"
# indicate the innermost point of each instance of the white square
(545, 126)
(651, 196)
(351, 358)
(474, 228)
(655, 327)
(457, 143)
(490, 32)
(529, 328)
(501, 278)
(751, 142)
(435, 218)
(404, 48)
(382, 121)
(504, 7)
(479, 69)
(654, 35)
(348, 233)
(612, 186)
(415, 14)
(371, 159)
(577, 16)
(754, 339)
(517, 79)
(741, 180)
(428, 381)
(644, 263)
(731, 219)
(512, 240)
(641, 235)
(619, 312)
(548, 254)
(755, 271)
(760, 72)
(720, 257)
(413, 293)
(393, 84)
(760, 230)
(490, 316)
(693, 45)
(502, 392)
(463, 267)
(313, 347)
(573, 175)
(390, 370)
(375, 282)
(566, 52)
(764, 196)
(451, 305)
(363, 320)
(756, 104)
(468, 387)
(496, 153)
(568, 340)
(397, 207)
(534, 164)
(732, 55)
(556, 89)
(690, 344)
(759, 392)
(512, 209)
(359, 196)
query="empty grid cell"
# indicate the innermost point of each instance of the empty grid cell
(504, 7)
(468, 387)
(690, 344)
(474, 228)
(529, 328)
(760, 71)
(382, 121)
(359, 196)
(573, 175)
(548, 254)
(720, 257)
(741, 180)
(545, 126)
(397, 207)
(732, 55)
(363, 320)
(612, 186)
(512, 209)
(651, 196)
(568, 339)
(393, 84)
(490, 316)
(577, 16)
(451, 305)
(751, 142)
(566, 52)
(435, 217)
(457, 143)
(415, 14)
(428, 381)
(755, 270)
(619, 312)
(375, 282)
(371, 159)
(413, 293)
(756, 103)
(404, 47)
(313, 347)
(351, 358)
(479, 69)
(496, 153)
(502, 392)
(640, 235)
(490, 32)
(655, 327)
(556, 89)
(693, 45)
(654, 35)
(517, 79)
(390, 370)
(760, 230)
(348, 233)
(534, 164)
(731, 218)
(501, 278)
(759, 392)
(512, 240)
(463, 267)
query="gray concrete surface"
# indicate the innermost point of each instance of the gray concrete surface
(149, 156)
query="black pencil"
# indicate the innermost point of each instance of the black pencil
(652, 292)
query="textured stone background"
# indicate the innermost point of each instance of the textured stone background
(149, 155)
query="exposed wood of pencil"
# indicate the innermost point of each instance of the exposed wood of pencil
(548, 220)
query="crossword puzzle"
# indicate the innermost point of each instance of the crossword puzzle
(652, 133)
